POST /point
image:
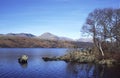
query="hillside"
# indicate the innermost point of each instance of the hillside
(19, 35)
(47, 40)
(22, 42)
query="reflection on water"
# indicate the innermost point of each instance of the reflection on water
(23, 65)
(37, 68)
(81, 70)
(76, 70)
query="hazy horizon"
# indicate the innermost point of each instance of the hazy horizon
(59, 17)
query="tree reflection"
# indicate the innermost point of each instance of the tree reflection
(76, 70)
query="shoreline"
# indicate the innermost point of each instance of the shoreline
(82, 57)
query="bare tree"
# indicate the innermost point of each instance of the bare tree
(104, 26)
(93, 28)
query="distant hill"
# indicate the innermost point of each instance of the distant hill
(83, 44)
(25, 42)
(20, 35)
(49, 36)
(46, 40)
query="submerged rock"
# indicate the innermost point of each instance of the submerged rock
(50, 59)
(23, 59)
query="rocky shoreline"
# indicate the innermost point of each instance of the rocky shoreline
(82, 57)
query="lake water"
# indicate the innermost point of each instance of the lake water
(37, 68)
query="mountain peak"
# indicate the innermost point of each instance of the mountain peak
(48, 36)
(47, 33)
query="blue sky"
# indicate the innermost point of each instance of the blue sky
(60, 17)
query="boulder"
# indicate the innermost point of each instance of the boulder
(50, 58)
(23, 59)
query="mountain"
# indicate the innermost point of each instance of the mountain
(26, 42)
(1, 34)
(20, 35)
(46, 40)
(49, 36)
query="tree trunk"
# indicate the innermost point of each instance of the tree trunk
(101, 50)
(99, 47)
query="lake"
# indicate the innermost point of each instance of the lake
(38, 68)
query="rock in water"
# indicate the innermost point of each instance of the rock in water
(23, 59)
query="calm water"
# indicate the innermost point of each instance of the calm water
(37, 68)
